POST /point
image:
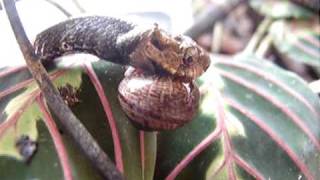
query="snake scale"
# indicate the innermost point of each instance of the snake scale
(159, 92)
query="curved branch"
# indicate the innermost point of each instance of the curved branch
(53, 3)
(69, 121)
(59, 7)
(78, 5)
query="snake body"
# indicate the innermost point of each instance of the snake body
(160, 93)
(94, 35)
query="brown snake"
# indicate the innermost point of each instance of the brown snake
(160, 92)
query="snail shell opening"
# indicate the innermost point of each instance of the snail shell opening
(157, 102)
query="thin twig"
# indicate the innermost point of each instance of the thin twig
(69, 121)
(211, 15)
(55, 4)
(77, 4)
(59, 7)
(217, 37)
(264, 46)
(258, 35)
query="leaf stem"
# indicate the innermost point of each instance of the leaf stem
(258, 36)
(315, 86)
(217, 37)
(264, 46)
(70, 122)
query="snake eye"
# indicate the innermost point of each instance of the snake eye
(65, 46)
(188, 60)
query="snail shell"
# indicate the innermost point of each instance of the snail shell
(155, 102)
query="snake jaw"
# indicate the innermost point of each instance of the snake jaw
(195, 60)
(179, 56)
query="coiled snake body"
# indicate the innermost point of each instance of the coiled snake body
(159, 93)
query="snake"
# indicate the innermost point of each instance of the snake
(158, 92)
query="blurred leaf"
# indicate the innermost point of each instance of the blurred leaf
(266, 126)
(280, 9)
(298, 40)
(312, 4)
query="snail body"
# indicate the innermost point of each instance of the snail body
(157, 102)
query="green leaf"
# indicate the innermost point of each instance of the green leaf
(13, 169)
(98, 108)
(280, 9)
(21, 116)
(256, 121)
(26, 126)
(266, 126)
(137, 165)
(297, 40)
(173, 146)
(21, 112)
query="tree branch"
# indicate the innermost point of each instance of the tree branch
(59, 7)
(55, 4)
(69, 121)
(264, 46)
(258, 36)
(208, 17)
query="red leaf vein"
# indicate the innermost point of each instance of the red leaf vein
(296, 119)
(282, 144)
(57, 139)
(107, 109)
(273, 80)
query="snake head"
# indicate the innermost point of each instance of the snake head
(192, 59)
(178, 56)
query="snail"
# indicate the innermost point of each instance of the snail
(169, 98)
(159, 92)
(155, 102)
